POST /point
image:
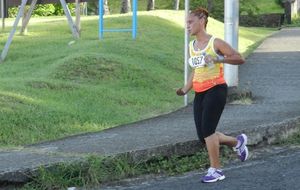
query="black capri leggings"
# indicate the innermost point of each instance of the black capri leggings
(208, 107)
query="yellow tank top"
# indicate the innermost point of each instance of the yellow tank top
(206, 77)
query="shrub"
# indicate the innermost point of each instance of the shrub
(44, 10)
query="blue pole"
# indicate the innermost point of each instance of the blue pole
(100, 19)
(134, 19)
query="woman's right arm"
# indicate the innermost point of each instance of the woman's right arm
(184, 90)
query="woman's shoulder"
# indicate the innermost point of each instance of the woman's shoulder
(218, 42)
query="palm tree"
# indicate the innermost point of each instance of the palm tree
(150, 5)
(176, 4)
(106, 7)
(125, 6)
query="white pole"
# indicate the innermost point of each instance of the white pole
(73, 27)
(186, 49)
(231, 24)
(13, 30)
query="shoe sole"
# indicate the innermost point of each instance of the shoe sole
(215, 180)
(246, 148)
(247, 153)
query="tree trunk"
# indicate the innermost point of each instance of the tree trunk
(210, 5)
(287, 11)
(125, 6)
(176, 5)
(77, 20)
(150, 5)
(96, 3)
(106, 7)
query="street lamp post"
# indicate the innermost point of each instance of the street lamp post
(231, 26)
(186, 49)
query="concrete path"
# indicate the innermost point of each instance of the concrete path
(272, 73)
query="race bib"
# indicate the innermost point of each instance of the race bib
(197, 61)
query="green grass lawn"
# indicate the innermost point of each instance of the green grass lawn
(265, 6)
(49, 89)
(115, 5)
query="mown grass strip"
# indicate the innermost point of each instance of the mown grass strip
(96, 170)
(90, 85)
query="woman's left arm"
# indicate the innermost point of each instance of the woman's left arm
(231, 56)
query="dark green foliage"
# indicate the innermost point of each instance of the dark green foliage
(248, 7)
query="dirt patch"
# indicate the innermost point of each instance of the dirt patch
(49, 85)
(88, 69)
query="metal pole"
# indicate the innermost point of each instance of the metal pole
(134, 19)
(231, 24)
(186, 49)
(100, 19)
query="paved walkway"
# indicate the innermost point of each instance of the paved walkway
(271, 73)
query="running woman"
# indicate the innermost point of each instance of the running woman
(207, 55)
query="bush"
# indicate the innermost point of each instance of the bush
(12, 12)
(44, 10)
(248, 7)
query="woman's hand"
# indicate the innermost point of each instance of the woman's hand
(180, 92)
(208, 59)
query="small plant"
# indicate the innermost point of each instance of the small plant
(292, 140)
(296, 21)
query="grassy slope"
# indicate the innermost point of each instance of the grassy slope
(269, 6)
(49, 89)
